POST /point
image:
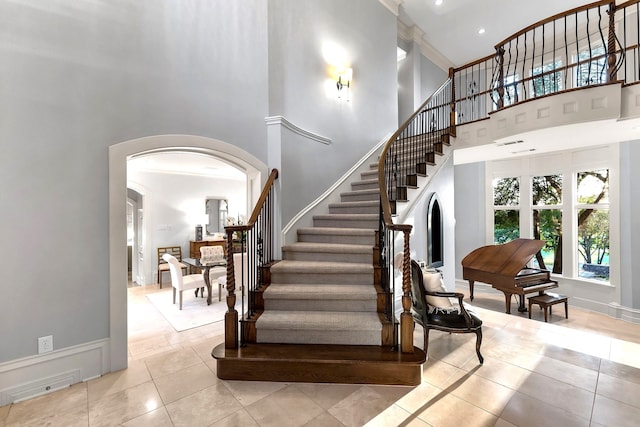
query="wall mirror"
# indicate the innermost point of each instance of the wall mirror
(216, 210)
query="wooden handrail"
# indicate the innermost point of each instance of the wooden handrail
(256, 210)
(435, 107)
(256, 254)
(553, 18)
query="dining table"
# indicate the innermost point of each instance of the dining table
(197, 264)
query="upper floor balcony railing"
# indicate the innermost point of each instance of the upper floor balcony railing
(594, 44)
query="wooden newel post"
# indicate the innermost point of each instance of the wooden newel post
(407, 324)
(231, 316)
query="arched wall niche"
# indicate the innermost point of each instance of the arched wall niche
(435, 232)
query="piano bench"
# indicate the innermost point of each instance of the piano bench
(546, 301)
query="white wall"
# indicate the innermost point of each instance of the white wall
(305, 38)
(175, 204)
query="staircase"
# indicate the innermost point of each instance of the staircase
(324, 290)
(322, 317)
(324, 312)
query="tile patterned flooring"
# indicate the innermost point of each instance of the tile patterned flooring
(581, 371)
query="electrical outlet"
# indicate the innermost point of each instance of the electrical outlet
(45, 344)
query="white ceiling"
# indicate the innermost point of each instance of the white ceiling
(184, 163)
(452, 28)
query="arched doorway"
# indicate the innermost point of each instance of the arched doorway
(118, 154)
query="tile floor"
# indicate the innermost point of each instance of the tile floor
(581, 371)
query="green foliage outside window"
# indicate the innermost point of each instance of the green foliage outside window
(506, 226)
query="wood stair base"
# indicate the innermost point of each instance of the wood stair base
(315, 363)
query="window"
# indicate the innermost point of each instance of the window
(568, 209)
(592, 67)
(546, 80)
(592, 213)
(546, 194)
(506, 198)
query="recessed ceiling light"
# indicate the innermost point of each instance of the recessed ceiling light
(438, 2)
(481, 31)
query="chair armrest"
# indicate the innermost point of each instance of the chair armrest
(457, 295)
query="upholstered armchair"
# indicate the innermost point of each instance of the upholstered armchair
(180, 282)
(432, 308)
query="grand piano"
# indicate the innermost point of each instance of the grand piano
(504, 267)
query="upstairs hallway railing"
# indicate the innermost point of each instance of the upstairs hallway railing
(595, 44)
(257, 248)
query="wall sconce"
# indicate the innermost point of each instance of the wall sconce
(344, 83)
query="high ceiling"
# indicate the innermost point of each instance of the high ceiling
(452, 27)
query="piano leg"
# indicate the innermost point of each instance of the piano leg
(507, 300)
(521, 306)
(471, 282)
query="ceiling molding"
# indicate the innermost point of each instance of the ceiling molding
(392, 5)
(416, 35)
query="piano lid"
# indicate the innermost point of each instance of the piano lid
(506, 259)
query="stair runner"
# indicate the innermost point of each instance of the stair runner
(323, 292)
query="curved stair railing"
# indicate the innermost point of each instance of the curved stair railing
(405, 158)
(255, 241)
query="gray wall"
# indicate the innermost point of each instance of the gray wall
(470, 210)
(442, 183)
(301, 71)
(630, 224)
(78, 77)
(418, 78)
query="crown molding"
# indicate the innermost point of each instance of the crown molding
(392, 5)
(416, 35)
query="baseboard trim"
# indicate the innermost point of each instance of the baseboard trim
(33, 376)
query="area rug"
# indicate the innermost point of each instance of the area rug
(195, 311)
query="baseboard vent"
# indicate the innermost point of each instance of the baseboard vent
(39, 387)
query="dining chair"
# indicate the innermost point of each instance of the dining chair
(180, 282)
(176, 251)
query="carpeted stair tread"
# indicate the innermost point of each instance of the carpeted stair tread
(337, 231)
(320, 291)
(348, 217)
(319, 320)
(287, 266)
(327, 247)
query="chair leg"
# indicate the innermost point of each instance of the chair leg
(478, 343)
(180, 300)
(160, 278)
(174, 295)
(426, 341)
